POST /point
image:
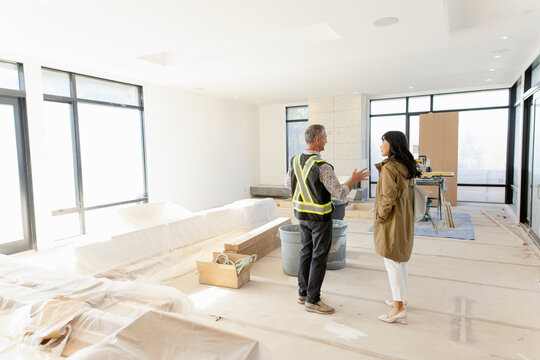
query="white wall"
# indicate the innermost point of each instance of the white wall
(273, 143)
(202, 151)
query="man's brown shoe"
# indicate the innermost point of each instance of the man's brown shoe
(301, 299)
(320, 308)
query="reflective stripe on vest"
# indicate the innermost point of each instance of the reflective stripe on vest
(302, 193)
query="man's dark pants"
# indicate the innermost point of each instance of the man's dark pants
(316, 237)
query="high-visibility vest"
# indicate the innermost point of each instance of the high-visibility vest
(311, 200)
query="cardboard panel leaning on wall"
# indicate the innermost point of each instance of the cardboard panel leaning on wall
(439, 141)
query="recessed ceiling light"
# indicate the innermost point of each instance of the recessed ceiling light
(386, 21)
(411, 87)
(506, 37)
(488, 80)
(492, 70)
(497, 54)
(355, 93)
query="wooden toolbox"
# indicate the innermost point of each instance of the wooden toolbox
(211, 273)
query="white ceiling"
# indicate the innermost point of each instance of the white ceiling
(281, 50)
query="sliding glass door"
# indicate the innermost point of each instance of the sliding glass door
(535, 173)
(15, 223)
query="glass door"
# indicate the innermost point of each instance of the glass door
(535, 189)
(15, 223)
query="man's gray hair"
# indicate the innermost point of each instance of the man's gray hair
(312, 132)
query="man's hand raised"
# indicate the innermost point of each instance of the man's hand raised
(358, 176)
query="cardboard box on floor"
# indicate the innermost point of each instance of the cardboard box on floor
(260, 241)
(224, 275)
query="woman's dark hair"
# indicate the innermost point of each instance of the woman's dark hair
(399, 150)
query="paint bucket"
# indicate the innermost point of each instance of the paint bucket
(339, 209)
(291, 246)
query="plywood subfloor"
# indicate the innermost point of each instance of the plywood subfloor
(467, 300)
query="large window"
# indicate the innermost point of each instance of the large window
(516, 95)
(16, 215)
(297, 123)
(482, 150)
(483, 137)
(527, 110)
(95, 133)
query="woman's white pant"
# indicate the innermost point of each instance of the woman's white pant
(397, 274)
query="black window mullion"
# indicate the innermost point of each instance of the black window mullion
(24, 171)
(17, 94)
(27, 194)
(297, 120)
(143, 143)
(369, 153)
(481, 185)
(20, 70)
(76, 143)
(391, 114)
(96, 102)
(287, 139)
(510, 146)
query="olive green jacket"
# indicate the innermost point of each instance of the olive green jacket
(393, 227)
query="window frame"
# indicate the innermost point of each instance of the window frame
(509, 161)
(17, 98)
(287, 129)
(73, 100)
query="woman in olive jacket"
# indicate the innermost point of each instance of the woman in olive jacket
(393, 228)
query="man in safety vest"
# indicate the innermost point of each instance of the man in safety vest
(313, 183)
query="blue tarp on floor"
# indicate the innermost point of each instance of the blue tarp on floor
(463, 230)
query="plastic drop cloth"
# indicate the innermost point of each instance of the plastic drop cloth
(48, 326)
(157, 335)
(51, 314)
(120, 220)
(45, 315)
(165, 251)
